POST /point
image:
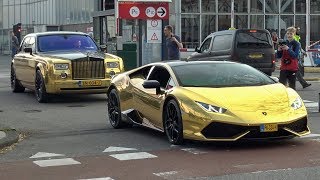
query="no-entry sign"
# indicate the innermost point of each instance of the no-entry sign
(143, 10)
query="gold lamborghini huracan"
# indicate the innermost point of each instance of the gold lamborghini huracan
(207, 101)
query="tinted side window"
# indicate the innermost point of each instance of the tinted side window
(222, 42)
(206, 45)
(24, 44)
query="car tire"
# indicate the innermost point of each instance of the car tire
(114, 111)
(40, 89)
(15, 83)
(172, 122)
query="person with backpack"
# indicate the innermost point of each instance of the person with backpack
(288, 51)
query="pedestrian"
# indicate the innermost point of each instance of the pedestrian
(288, 51)
(275, 39)
(302, 53)
(14, 44)
(173, 43)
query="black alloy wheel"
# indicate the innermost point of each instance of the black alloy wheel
(40, 89)
(173, 126)
(15, 83)
(114, 111)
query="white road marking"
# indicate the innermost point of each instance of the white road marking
(194, 151)
(104, 178)
(272, 170)
(166, 174)
(307, 101)
(44, 155)
(133, 156)
(311, 105)
(310, 136)
(117, 149)
(56, 162)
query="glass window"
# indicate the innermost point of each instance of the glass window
(208, 6)
(217, 75)
(170, 84)
(222, 42)
(300, 6)
(254, 39)
(241, 6)
(256, 6)
(224, 22)
(285, 22)
(224, 6)
(314, 31)
(314, 6)
(256, 21)
(286, 6)
(190, 6)
(208, 25)
(272, 7)
(205, 47)
(272, 22)
(301, 22)
(190, 27)
(241, 22)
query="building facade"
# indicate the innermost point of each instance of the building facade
(40, 15)
(193, 20)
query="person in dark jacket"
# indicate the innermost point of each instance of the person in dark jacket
(14, 44)
(288, 51)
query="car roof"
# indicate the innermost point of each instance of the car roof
(56, 33)
(233, 31)
(182, 62)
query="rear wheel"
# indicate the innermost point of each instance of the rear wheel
(40, 89)
(114, 111)
(15, 83)
(173, 126)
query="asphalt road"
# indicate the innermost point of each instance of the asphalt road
(70, 138)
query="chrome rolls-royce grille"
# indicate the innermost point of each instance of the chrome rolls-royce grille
(89, 68)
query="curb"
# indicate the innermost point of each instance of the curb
(12, 136)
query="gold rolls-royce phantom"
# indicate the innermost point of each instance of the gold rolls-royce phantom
(62, 62)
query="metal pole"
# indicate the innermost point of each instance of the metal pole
(319, 103)
(232, 13)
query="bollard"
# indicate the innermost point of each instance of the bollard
(319, 103)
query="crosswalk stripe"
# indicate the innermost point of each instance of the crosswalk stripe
(133, 156)
(193, 151)
(56, 162)
(166, 175)
(103, 178)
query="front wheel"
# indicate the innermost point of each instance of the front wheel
(40, 89)
(114, 111)
(15, 83)
(173, 126)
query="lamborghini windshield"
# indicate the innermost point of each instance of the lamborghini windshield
(219, 75)
(66, 42)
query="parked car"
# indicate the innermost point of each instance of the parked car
(62, 62)
(248, 46)
(207, 101)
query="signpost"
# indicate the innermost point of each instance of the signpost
(143, 10)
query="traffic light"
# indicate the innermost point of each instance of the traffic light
(17, 31)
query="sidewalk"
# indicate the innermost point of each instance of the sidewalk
(8, 137)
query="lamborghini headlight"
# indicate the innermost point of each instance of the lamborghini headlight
(61, 66)
(212, 108)
(112, 65)
(296, 104)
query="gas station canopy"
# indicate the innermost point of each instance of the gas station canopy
(144, 0)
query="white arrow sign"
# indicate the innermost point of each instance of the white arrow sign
(161, 12)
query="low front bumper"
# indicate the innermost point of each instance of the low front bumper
(78, 86)
(217, 131)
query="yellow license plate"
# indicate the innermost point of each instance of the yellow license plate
(92, 83)
(268, 127)
(255, 56)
